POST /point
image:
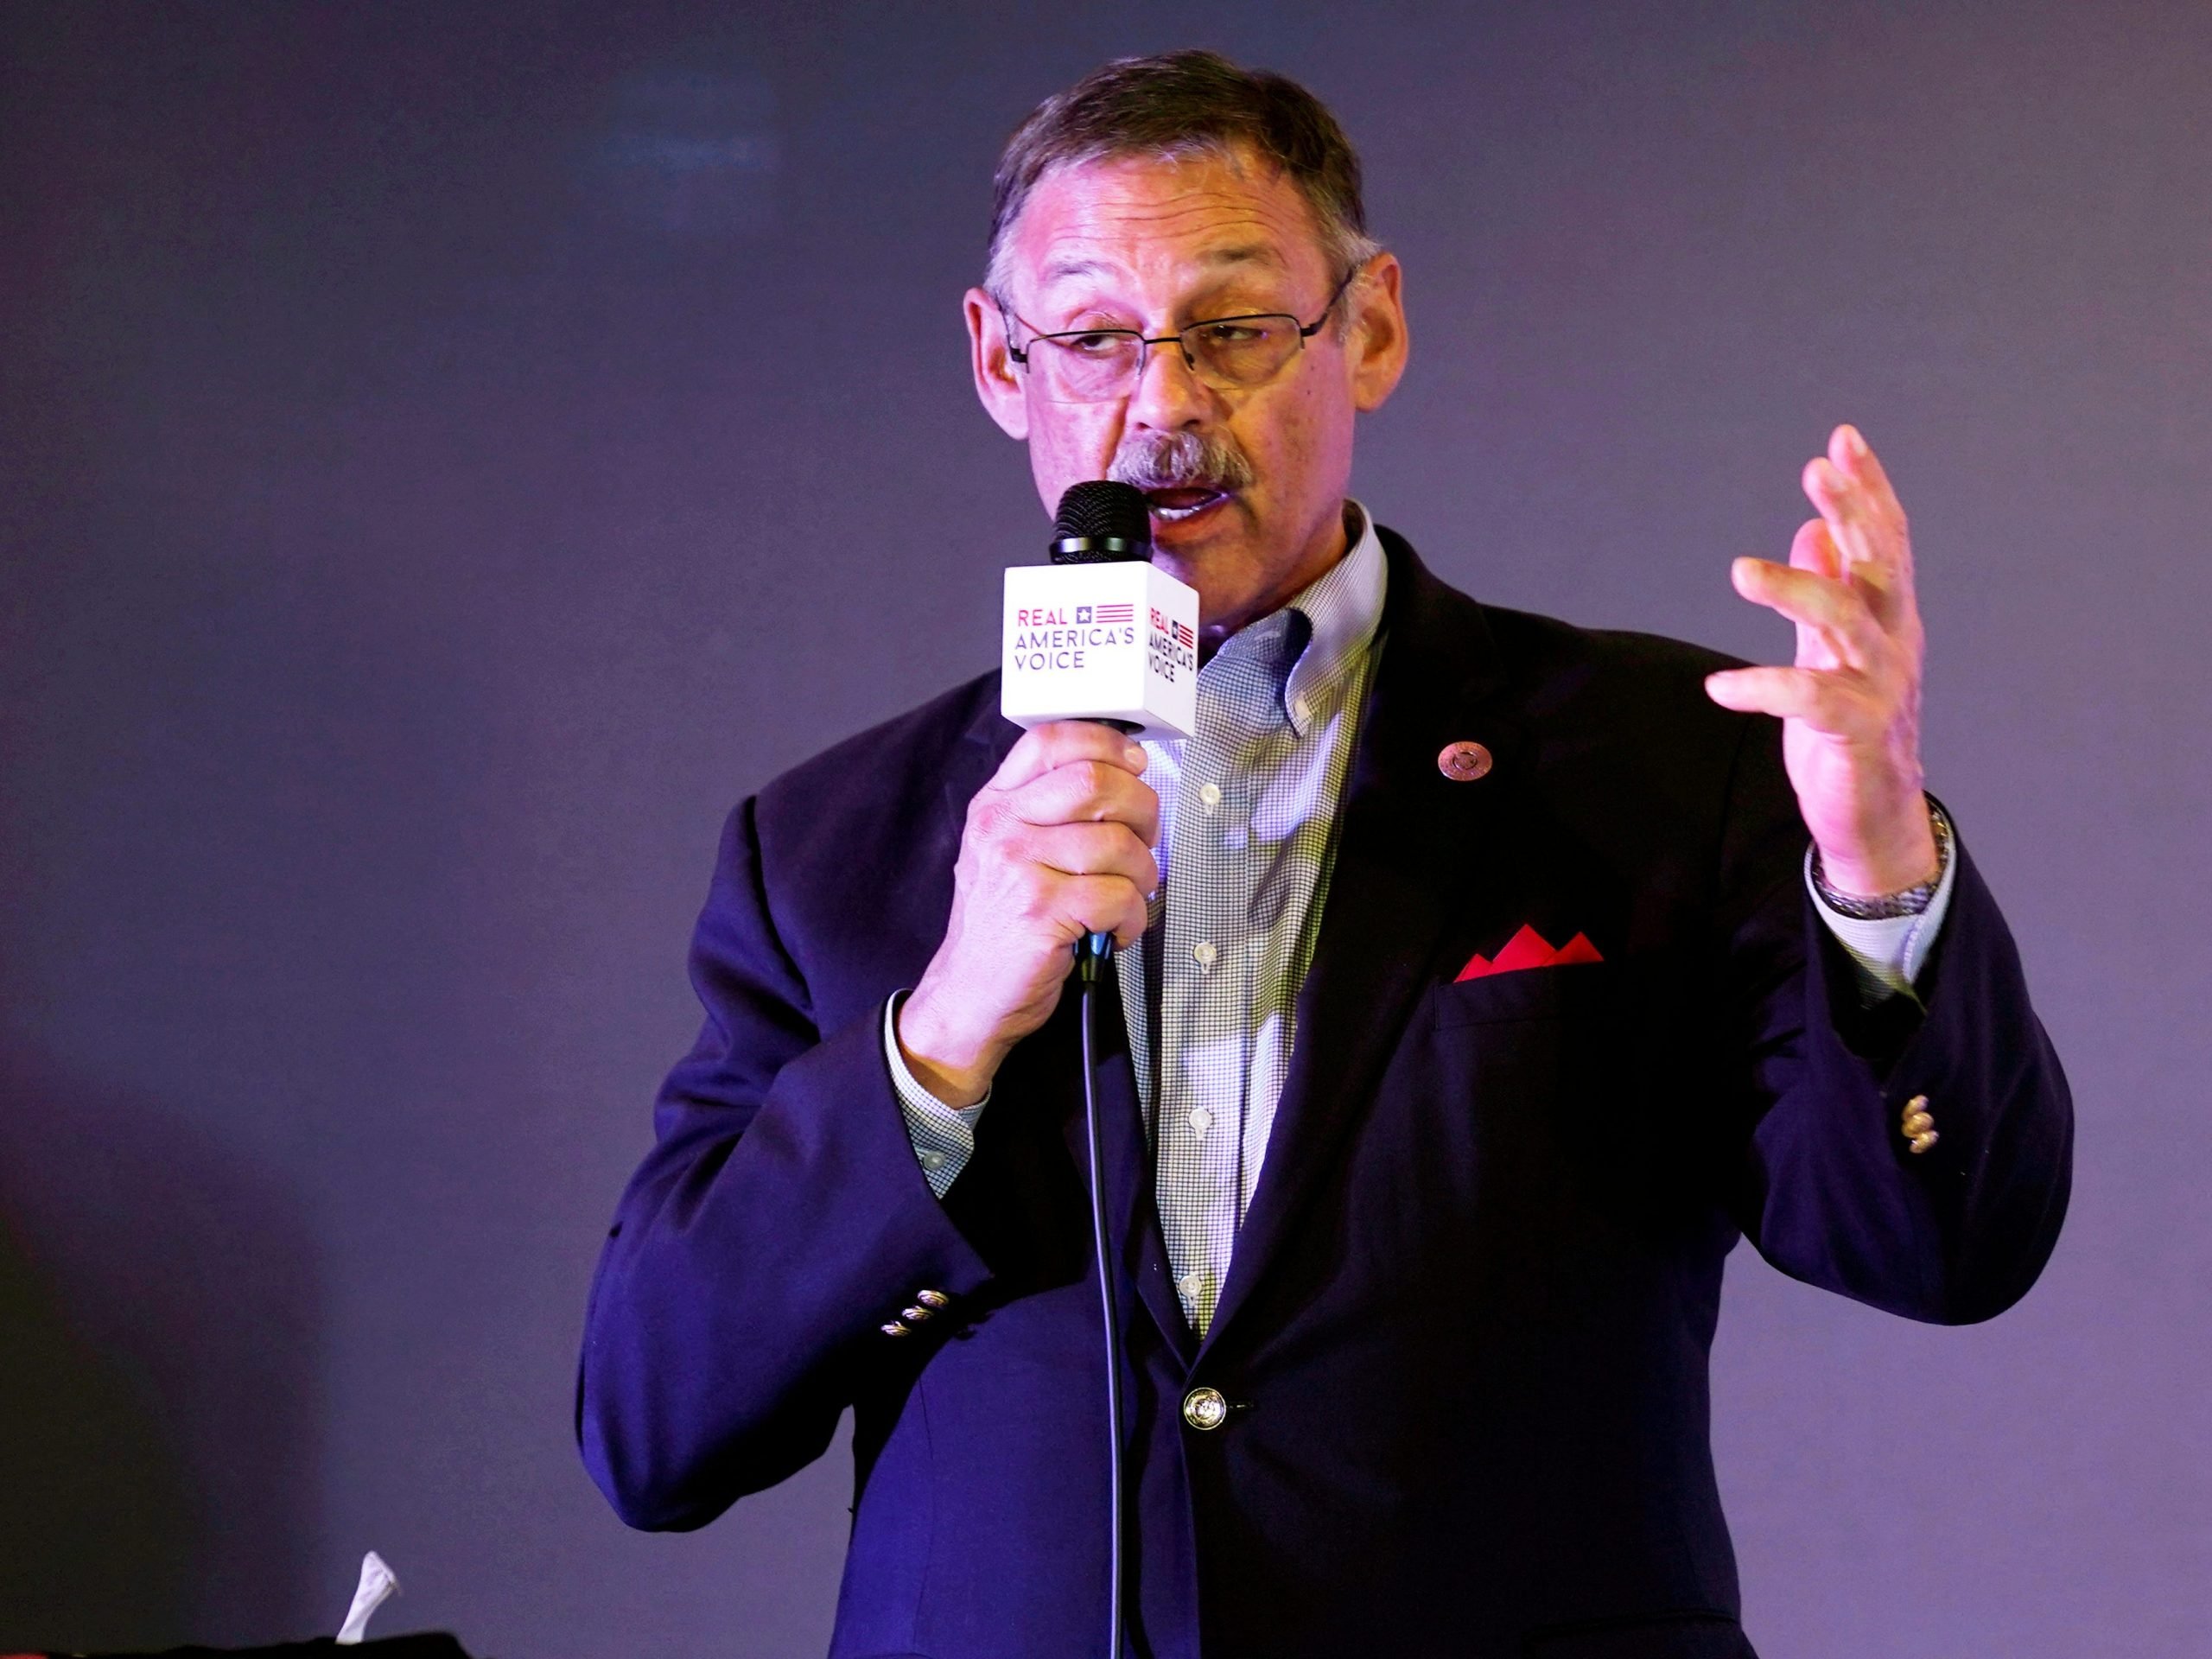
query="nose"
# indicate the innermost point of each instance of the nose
(1168, 396)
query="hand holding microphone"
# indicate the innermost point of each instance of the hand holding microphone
(1057, 845)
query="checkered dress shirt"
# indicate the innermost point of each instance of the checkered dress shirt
(1248, 812)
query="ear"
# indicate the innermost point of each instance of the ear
(998, 383)
(1377, 345)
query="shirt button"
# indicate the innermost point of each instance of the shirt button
(1205, 1409)
(1191, 1284)
(1205, 952)
(1200, 1120)
(1304, 711)
(932, 1160)
(1210, 794)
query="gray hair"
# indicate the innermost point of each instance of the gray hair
(1184, 103)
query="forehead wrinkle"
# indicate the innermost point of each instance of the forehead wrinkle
(1211, 217)
(1122, 219)
(1247, 253)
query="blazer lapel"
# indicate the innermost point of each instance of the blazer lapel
(1407, 836)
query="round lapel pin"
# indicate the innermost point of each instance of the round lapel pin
(1463, 762)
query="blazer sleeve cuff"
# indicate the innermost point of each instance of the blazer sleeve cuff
(943, 1137)
(1978, 1207)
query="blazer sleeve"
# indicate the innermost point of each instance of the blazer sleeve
(780, 1222)
(1830, 1192)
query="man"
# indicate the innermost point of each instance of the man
(1476, 990)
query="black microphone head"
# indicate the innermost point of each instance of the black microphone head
(1100, 521)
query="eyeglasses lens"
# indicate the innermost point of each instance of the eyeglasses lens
(1228, 356)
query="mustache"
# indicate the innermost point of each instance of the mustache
(1181, 461)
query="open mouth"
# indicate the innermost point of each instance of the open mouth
(1186, 501)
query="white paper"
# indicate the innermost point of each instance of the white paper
(377, 1583)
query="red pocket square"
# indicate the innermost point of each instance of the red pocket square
(1528, 948)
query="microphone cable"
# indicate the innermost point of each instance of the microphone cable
(1090, 955)
(1102, 521)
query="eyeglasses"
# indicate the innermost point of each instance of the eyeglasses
(1097, 365)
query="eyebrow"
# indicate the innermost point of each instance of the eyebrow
(1247, 253)
(1062, 269)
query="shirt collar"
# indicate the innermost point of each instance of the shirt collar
(1322, 631)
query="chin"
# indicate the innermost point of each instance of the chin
(1200, 561)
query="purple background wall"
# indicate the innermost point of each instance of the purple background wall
(451, 451)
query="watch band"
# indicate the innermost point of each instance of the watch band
(1912, 901)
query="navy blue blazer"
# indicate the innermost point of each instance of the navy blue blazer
(1465, 1335)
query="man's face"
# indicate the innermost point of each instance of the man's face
(1247, 484)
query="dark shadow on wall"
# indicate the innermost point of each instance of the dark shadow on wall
(160, 1352)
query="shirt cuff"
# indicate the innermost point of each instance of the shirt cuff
(944, 1135)
(1889, 952)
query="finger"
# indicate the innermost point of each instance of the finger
(1100, 903)
(1837, 498)
(1853, 494)
(1824, 700)
(1059, 741)
(1090, 792)
(1892, 620)
(1092, 849)
(1831, 611)
(1854, 457)
(1858, 461)
(1874, 554)
(1812, 549)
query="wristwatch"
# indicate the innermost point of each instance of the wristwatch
(1910, 902)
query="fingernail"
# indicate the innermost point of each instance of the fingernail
(1853, 444)
(1133, 753)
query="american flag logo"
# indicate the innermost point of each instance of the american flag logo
(1184, 636)
(1117, 614)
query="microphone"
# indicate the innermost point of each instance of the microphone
(1100, 635)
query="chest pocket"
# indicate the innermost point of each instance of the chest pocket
(1579, 990)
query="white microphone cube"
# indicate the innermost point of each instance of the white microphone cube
(1116, 641)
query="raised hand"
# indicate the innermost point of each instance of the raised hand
(1056, 845)
(1850, 708)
